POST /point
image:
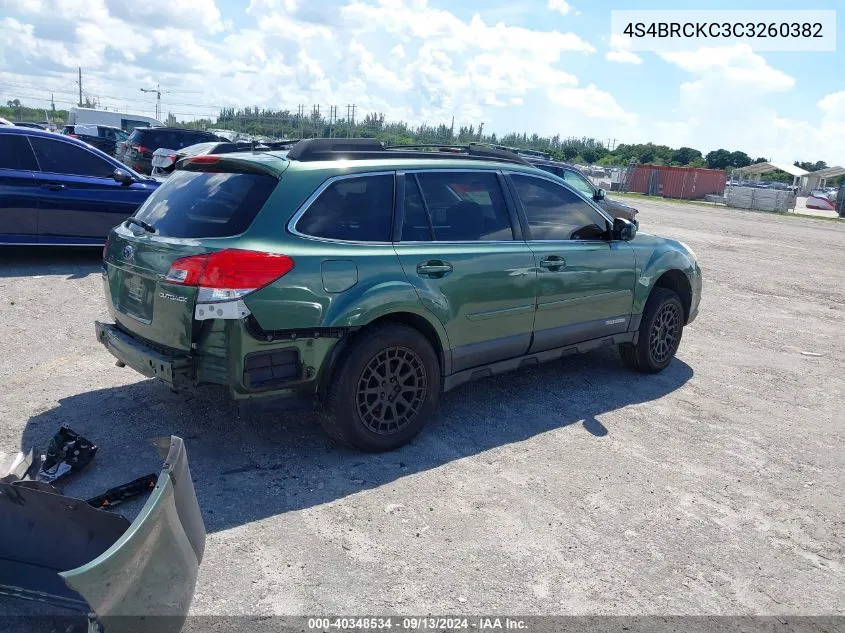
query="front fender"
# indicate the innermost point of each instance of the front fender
(654, 257)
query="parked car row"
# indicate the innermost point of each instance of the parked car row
(165, 159)
(68, 189)
(137, 150)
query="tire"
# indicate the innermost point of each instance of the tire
(660, 333)
(357, 413)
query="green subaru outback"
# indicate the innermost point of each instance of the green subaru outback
(371, 279)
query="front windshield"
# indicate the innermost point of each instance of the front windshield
(579, 183)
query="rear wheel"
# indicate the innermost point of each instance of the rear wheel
(660, 333)
(384, 391)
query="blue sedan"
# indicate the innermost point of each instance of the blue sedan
(57, 190)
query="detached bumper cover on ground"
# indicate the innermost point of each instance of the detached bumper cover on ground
(62, 550)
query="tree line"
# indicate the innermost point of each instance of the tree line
(284, 123)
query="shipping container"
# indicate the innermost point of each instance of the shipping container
(689, 183)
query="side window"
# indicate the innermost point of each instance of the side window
(58, 157)
(555, 213)
(358, 209)
(15, 153)
(579, 183)
(461, 206)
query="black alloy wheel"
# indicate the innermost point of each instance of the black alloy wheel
(391, 390)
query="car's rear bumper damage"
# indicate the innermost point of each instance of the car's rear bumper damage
(270, 366)
(177, 371)
(65, 551)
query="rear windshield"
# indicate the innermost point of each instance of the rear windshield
(202, 204)
(170, 139)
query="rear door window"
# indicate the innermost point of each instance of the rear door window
(15, 153)
(60, 157)
(461, 206)
(358, 209)
(203, 204)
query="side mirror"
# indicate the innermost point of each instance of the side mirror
(600, 194)
(122, 177)
(624, 230)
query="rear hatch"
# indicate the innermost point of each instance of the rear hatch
(180, 248)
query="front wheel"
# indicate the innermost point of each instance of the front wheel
(660, 333)
(384, 391)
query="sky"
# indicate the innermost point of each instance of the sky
(536, 66)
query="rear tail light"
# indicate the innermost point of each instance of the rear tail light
(140, 149)
(228, 274)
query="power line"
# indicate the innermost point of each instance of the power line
(106, 96)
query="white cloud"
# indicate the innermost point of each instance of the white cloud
(833, 105)
(732, 103)
(623, 57)
(619, 51)
(593, 103)
(561, 6)
(172, 14)
(405, 58)
(732, 65)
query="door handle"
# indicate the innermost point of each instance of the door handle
(53, 187)
(553, 262)
(434, 268)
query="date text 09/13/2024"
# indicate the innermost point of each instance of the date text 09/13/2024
(430, 623)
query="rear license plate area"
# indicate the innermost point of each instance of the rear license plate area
(136, 297)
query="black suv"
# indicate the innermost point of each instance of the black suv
(138, 150)
(104, 137)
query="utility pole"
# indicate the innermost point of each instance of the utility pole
(480, 130)
(80, 86)
(452, 129)
(157, 92)
(353, 119)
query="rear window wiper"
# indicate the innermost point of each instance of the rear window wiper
(149, 228)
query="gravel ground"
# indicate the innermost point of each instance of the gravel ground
(715, 487)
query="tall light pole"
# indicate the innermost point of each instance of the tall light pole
(158, 99)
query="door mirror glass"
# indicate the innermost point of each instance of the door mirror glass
(122, 177)
(601, 194)
(624, 230)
